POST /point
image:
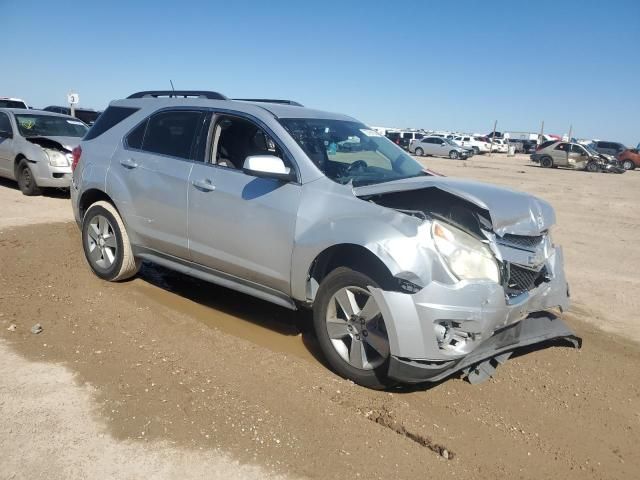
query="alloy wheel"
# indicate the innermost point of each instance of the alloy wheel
(101, 240)
(356, 328)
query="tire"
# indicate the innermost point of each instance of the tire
(348, 349)
(546, 162)
(476, 150)
(106, 244)
(592, 167)
(453, 155)
(628, 165)
(419, 152)
(26, 181)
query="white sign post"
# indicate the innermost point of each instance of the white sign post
(73, 99)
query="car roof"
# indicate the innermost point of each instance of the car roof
(257, 108)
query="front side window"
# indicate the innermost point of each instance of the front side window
(234, 139)
(30, 125)
(349, 152)
(172, 133)
(577, 149)
(5, 123)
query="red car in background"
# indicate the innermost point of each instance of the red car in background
(629, 158)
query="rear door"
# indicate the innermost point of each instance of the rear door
(240, 224)
(560, 154)
(154, 167)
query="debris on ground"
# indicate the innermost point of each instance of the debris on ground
(12, 327)
(37, 328)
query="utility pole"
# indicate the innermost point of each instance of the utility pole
(493, 136)
(541, 136)
(570, 130)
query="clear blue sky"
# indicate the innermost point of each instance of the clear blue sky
(444, 65)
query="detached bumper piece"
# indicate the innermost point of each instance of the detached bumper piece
(481, 364)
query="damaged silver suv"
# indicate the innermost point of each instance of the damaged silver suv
(411, 276)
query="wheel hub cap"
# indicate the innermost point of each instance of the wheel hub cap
(101, 242)
(356, 328)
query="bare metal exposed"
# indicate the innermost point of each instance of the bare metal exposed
(411, 276)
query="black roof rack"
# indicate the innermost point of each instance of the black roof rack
(179, 93)
(267, 100)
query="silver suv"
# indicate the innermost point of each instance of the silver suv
(411, 276)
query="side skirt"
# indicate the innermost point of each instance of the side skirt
(215, 276)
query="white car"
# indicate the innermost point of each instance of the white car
(477, 143)
(500, 145)
(8, 102)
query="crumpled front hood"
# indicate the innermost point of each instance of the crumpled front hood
(512, 212)
(68, 143)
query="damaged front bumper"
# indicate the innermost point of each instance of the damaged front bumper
(444, 328)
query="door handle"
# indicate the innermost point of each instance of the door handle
(128, 163)
(205, 185)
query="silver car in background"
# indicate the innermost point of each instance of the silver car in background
(438, 147)
(411, 276)
(36, 146)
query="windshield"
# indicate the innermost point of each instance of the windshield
(590, 149)
(347, 151)
(49, 126)
(450, 142)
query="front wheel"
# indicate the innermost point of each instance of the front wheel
(628, 165)
(26, 180)
(419, 152)
(351, 330)
(592, 167)
(106, 243)
(453, 155)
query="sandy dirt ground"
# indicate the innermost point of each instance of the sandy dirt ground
(167, 377)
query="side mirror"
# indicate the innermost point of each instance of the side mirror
(5, 134)
(267, 166)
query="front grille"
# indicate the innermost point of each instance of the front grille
(523, 279)
(522, 241)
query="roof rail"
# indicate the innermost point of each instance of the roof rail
(267, 100)
(179, 93)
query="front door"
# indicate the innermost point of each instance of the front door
(240, 224)
(149, 179)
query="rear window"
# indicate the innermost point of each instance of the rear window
(109, 118)
(87, 116)
(12, 104)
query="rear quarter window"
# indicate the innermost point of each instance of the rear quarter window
(109, 119)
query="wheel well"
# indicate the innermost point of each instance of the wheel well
(16, 162)
(90, 197)
(351, 256)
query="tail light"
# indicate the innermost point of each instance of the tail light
(76, 153)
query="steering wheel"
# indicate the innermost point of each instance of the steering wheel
(357, 165)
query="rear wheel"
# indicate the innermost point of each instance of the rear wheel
(476, 150)
(419, 152)
(351, 330)
(546, 162)
(26, 180)
(453, 155)
(106, 243)
(628, 165)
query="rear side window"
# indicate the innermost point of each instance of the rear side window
(134, 139)
(109, 118)
(172, 133)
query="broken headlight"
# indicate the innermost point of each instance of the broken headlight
(58, 159)
(466, 257)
